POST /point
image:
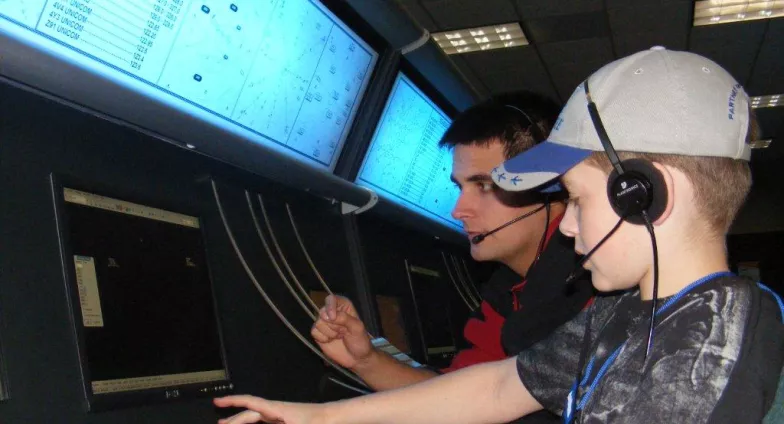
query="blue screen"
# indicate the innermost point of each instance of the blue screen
(404, 163)
(283, 73)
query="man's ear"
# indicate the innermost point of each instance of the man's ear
(669, 182)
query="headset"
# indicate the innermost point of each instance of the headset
(536, 132)
(635, 187)
(637, 193)
(538, 137)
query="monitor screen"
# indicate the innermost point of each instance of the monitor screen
(433, 309)
(142, 300)
(286, 74)
(404, 163)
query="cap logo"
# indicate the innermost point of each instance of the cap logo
(733, 96)
(558, 123)
(623, 185)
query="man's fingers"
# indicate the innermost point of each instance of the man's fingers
(353, 324)
(321, 337)
(331, 305)
(332, 331)
(318, 335)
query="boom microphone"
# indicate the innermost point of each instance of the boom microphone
(579, 270)
(479, 237)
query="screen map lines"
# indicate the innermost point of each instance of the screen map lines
(286, 71)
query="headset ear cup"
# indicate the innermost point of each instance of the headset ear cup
(651, 195)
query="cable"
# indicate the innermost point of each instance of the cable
(282, 256)
(348, 386)
(463, 281)
(419, 42)
(275, 262)
(649, 226)
(471, 280)
(454, 283)
(305, 251)
(266, 297)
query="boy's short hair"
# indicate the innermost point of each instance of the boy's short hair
(718, 203)
(672, 107)
(505, 118)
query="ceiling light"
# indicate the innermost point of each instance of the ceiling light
(481, 38)
(761, 144)
(773, 100)
(710, 12)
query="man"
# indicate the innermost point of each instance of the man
(527, 298)
(680, 124)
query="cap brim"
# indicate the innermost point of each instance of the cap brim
(538, 166)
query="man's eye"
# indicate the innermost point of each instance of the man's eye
(486, 187)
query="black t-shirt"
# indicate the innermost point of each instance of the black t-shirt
(546, 302)
(716, 358)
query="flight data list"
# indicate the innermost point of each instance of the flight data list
(285, 70)
(404, 163)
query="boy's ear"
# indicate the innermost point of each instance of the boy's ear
(668, 182)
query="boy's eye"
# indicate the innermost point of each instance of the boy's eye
(486, 187)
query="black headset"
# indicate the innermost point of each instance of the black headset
(637, 193)
(538, 137)
(635, 185)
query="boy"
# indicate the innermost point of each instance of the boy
(717, 344)
(526, 299)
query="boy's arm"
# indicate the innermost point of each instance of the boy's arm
(486, 393)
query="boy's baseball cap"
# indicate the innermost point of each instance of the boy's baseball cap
(654, 101)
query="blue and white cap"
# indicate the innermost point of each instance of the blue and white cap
(654, 101)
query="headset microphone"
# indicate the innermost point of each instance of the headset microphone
(478, 238)
(579, 270)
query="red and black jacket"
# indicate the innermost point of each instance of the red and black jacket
(514, 315)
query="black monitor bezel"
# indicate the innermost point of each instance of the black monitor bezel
(119, 400)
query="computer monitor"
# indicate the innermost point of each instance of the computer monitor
(287, 75)
(434, 313)
(403, 163)
(141, 300)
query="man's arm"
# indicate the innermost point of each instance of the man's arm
(342, 336)
(486, 393)
(383, 372)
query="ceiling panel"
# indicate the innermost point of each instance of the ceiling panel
(639, 28)
(419, 14)
(512, 69)
(570, 62)
(575, 52)
(645, 3)
(453, 14)
(567, 27)
(768, 74)
(733, 46)
(470, 75)
(535, 9)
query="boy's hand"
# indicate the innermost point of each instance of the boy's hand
(340, 333)
(261, 410)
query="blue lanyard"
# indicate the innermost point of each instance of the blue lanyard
(570, 408)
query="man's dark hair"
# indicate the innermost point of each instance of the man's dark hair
(503, 118)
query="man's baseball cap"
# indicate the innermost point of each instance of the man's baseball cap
(654, 101)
